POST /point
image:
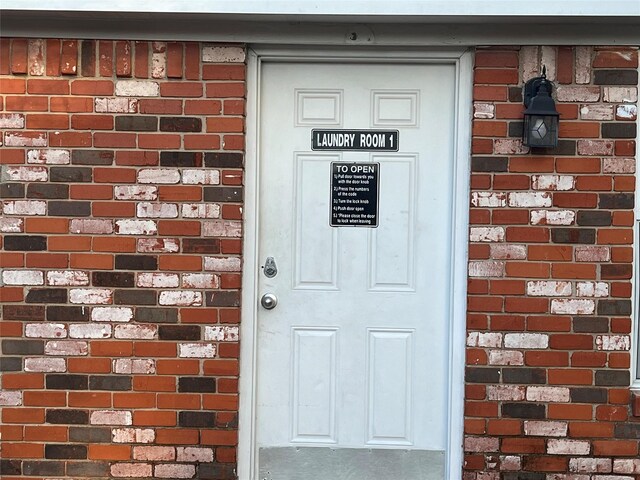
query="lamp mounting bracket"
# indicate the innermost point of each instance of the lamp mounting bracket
(532, 86)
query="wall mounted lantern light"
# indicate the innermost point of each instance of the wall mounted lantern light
(541, 117)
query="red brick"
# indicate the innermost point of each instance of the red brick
(105, 54)
(47, 122)
(123, 58)
(574, 411)
(72, 104)
(134, 400)
(225, 90)
(490, 93)
(616, 58)
(564, 69)
(44, 399)
(19, 56)
(158, 141)
(109, 452)
(53, 57)
(22, 450)
(590, 430)
(154, 418)
(92, 87)
(20, 104)
(174, 60)
(45, 433)
(522, 445)
(47, 260)
(572, 376)
(175, 436)
(181, 89)
(69, 139)
(48, 87)
(617, 448)
(69, 57)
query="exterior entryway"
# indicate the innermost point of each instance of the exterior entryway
(353, 361)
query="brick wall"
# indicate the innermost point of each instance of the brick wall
(121, 197)
(551, 235)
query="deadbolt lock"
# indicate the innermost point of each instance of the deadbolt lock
(270, 268)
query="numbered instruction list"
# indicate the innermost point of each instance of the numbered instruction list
(354, 194)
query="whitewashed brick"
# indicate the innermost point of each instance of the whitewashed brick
(548, 59)
(142, 332)
(128, 366)
(481, 444)
(174, 470)
(44, 364)
(590, 465)
(96, 226)
(182, 298)
(508, 252)
(509, 146)
(592, 289)
(505, 392)
(27, 174)
(91, 296)
(221, 333)
(137, 88)
(36, 58)
(548, 394)
(578, 94)
(22, 277)
(526, 340)
(194, 454)
(486, 234)
(154, 453)
(613, 342)
(135, 192)
(486, 269)
(158, 245)
(510, 463)
(595, 148)
(66, 348)
(159, 175)
(613, 477)
(133, 435)
(200, 280)
(619, 165)
(553, 217)
(10, 398)
(116, 105)
(49, 157)
(11, 225)
(136, 227)
(159, 62)
(548, 288)
(222, 264)
(45, 330)
(11, 120)
(583, 65)
(157, 280)
(592, 254)
(596, 111)
(222, 228)
(568, 447)
(530, 199)
(553, 182)
(506, 357)
(484, 339)
(111, 314)
(131, 470)
(529, 59)
(626, 112)
(626, 465)
(89, 330)
(620, 94)
(201, 210)
(484, 110)
(218, 54)
(66, 278)
(196, 350)
(538, 428)
(111, 417)
(19, 139)
(201, 177)
(156, 210)
(24, 207)
(572, 306)
(567, 476)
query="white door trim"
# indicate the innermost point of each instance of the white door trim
(463, 59)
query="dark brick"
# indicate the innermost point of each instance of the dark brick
(616, 271)
(88, 469)
(136, 262)
(573, 235)
(489, 164)
(180, 124)
(523, 410)
(482, 375)
(10, 467)
(70, 174)
(222, 194)
(25, 243)
(590, 324)
(47, 295)
(181, 159)
(92, 157)
(229, 298)
(179, 332)
(619, 130)
(69, 209)
(615, 77)
(594, 218)
(90, 434)
(565, 147)
(216, 471)
(613, 378)
(614, 307)
(118, 383)
(616, 201)
(196, 384)
(38, 468)
(516, 129)
(627, 430)
(10, 364)
(113, 279)
(65, 313)
(515, 94)
(47, 190)
(135, 297)
(65, 451)
(588, 395)
(136, 123)
(22, 347)
(157, 315)
(67, 417)
(63, 381)
(196, 419)
(23, 312)
(523, 476)
(88, 58)
(11, 190)
(227, 160)
(200, 245)
(524, 375)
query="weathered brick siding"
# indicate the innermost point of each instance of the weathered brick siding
(551, 249)
(121, 197)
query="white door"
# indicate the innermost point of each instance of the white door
(352, 363)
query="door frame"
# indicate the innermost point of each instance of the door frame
(463, 60)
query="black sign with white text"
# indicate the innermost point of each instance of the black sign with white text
(363, 140)
(354, 194)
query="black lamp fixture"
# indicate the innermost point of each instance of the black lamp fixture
(541, 117)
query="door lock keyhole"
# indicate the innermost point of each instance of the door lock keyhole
(270, 269)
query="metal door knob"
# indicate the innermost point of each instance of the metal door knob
(269, 301)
